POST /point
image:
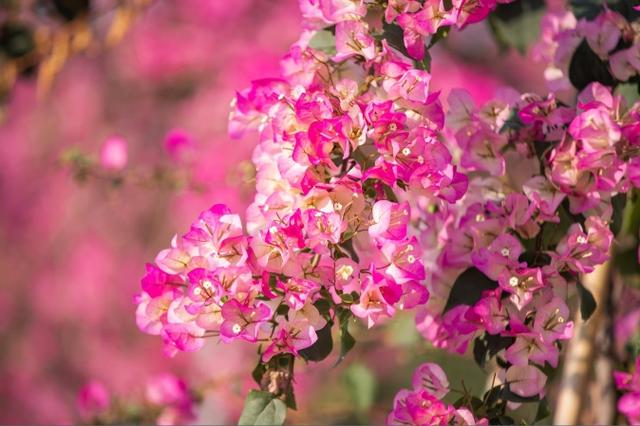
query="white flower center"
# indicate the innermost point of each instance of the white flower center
(236, 328)
(513, 281)
(344, 271)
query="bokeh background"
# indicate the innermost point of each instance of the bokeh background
(73, 244)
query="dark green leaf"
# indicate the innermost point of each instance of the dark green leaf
(282, 310)
(258, 372)
(322, 347)
(574, 218)
(348, 247)
(586, 67)
(492, 396)
(626, 262)
(508, 395)
(366, 155)
(590, 9)
(480, 350)
(535, 259)
(261, 408)
(468, 288)
(290, 398)
(323, 306)
(631, 217)
(552, 233)
(488, 345)
(512, 123)
(347, 342)
(587, 301)
(517, 25)
(544, 410)
(618, 204)
(440, 35)
(395, 37)
(388, 192)
(16, 39)
(505, 420)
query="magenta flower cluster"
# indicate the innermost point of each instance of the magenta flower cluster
(335, 160)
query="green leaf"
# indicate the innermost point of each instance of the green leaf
(290, 398)
(517, 25)
(488, 346)
(322, 347)
(629, 91)
(323, 306)
(492, 396)
(626, 262)
(618, 203)
(262, 408)
(590, 9)
(480, 350)
(508, 395)
(366, 155)
(505, 420)
(468, 288)
(440, 35)
(587, 301)
(552, 233)
(535, 259)
(325, 41)
(631, 217)
(586, 67)
(347, 342)
(395, 37)
(512, 123)
(544, 410)
(258, 372)
(361, 385)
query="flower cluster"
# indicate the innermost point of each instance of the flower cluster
(167, 401)
(423, 406)
(608, 45)
(537, 214)
(629, 384)
(421, 21)
(341, 157)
